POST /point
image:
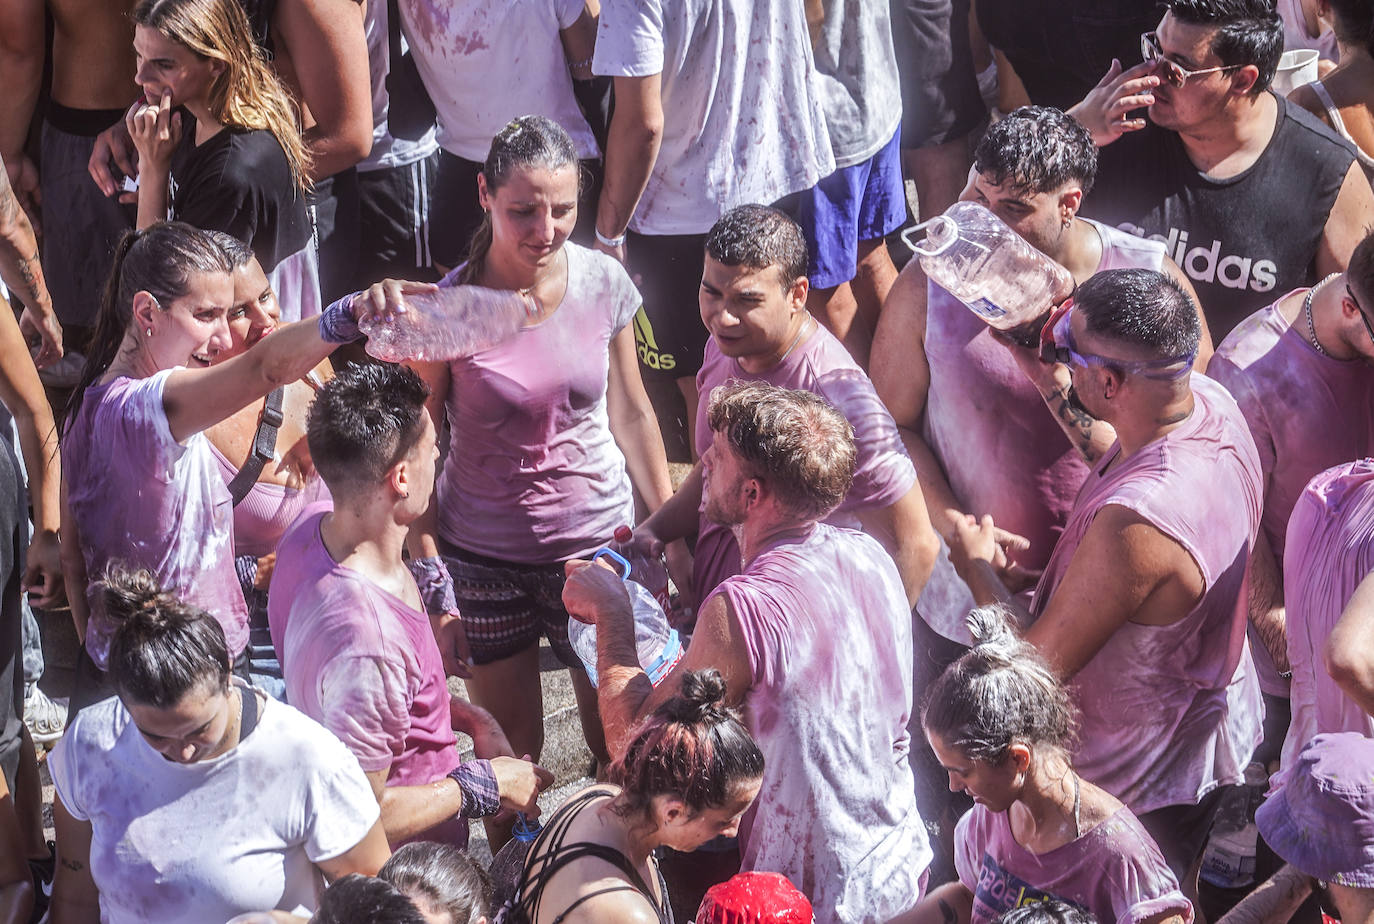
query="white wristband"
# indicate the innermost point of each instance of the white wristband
(609, 241)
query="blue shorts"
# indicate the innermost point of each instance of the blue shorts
(862, 202)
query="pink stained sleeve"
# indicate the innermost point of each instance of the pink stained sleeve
(366, 705)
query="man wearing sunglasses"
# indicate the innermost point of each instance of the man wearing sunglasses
(1142, 603)
(1252, 197)
(1302, 371)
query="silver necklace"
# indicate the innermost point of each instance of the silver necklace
(1307, 311)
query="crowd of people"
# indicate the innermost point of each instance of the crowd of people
(977, 626)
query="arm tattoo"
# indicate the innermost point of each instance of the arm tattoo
(77, 866)
(947, 913)
(1077, 423)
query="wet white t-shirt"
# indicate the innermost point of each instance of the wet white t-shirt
(741, 97)
(204, 842)
(487, 63)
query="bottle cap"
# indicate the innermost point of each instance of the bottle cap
(623, 534)
(525, 830)
(754, 898)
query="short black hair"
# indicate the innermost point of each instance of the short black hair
(1037, 149)
(757, 237)
(1141, 308)
(356, 898)
(1250, 32)
(1360, 272)
(364, 421)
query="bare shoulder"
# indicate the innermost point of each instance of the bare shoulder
(622, 906)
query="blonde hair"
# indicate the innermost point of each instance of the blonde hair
(247, 94)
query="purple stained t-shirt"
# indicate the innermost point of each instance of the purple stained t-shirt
(141, 498)
(1171, 711)
(1331, 533)
(362, 663)
(533, 474)
(984, 419)
(827, 629)
(1114, 870)
(883, 472)
(1306, 411)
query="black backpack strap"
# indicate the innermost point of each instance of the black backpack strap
(393, 32)
(264, 446)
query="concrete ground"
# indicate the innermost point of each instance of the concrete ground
(565, 752)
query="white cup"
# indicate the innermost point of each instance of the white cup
(1296, 67)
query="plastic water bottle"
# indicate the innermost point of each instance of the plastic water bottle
(656, 642)
(649, 571)
(973, 255)
(525, 830)
(448, 323)
(1229, 860)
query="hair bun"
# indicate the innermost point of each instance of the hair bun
(993, 627)
(702, 697)
(130, 594)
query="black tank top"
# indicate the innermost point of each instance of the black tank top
(1244, 240)
(520, 903)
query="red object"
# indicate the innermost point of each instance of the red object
(755, 898)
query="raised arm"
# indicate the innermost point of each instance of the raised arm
(328, 48)
(901, 376)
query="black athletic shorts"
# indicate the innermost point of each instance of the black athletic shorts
(394, 204)
(940, 98)
(669, 335)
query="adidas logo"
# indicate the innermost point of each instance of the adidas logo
(647, 345)
(1206, 263)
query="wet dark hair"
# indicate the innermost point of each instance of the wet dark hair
(160, 260)
(355, 898)
(235, 251)
(1050, 911)
(757, 237)
(1354, 22)
(1250, 32)
(999, 693)
(442, 878)
(1037, 149)
(693, 747)
(162, 648)
(793, 440)
(529, 141)
(364, 421)
(1141, 308)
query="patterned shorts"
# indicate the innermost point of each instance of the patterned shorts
(506, 605)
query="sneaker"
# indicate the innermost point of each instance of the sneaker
(42, 872)
(45, 718)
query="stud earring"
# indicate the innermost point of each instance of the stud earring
(149, 332)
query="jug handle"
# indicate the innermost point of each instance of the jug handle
(618, 561)
(915, 247)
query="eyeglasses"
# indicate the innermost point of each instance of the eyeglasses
(1174, 72)
(1059, 345)
(1358, 307)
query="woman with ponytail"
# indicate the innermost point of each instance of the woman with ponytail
(1002, 726)
(141, 483)
(218, 140)
(548, 432)
(190, 797)
(689, 773)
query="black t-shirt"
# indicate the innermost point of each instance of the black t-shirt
(240, 182)
(1061, 48)
(1244, 240)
